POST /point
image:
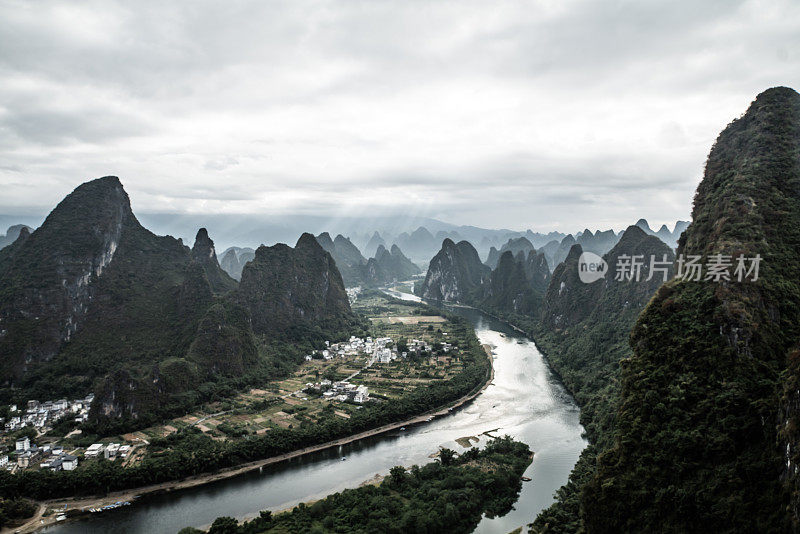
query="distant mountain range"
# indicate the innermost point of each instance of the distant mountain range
(520, 281)
(420, 245)
(13, 233)
(384, 267)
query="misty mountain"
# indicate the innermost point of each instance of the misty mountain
(12, 234)
(347, 257)
(388, 266)
(371, 247)
(664, 233)
(234, 259)
(513, 245)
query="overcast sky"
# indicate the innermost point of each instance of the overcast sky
(544, 115)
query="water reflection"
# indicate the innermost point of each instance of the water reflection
(525, 400)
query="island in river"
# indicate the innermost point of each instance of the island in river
(426, 364)
(524, 400)
(447, 495)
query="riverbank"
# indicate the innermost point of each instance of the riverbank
(80, 506)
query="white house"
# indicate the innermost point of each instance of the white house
(361, 395)
(23, 444)
(94, 450)
(4, 460)
(111, 451)
(69, 462)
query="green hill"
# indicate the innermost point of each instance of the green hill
(295, 292)
(706, 429)
(455, 274)
(92, 301)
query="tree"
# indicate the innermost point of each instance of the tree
(446, 456)
(397, 475)
(224, 525)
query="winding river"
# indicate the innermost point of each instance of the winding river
(525, 400)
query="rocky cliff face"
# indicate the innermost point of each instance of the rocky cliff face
(92, 301)
(537, 271)
(203, 254)
(706, 432)
(568, 300)
(47, 284)
(287, 290)
(509, 289)
(455, 274)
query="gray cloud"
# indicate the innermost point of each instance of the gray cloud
(538, 114)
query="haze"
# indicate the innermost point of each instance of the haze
(542, 115)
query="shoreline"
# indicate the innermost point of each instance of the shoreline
(81, 504)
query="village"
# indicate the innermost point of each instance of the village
(406, 351)
(40, 417)
(380, 350)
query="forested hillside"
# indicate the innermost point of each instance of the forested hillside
(706, 437)
(93, 302)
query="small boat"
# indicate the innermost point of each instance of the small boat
(525, 479)
(402, 428)
(344, 458)
(61, 517)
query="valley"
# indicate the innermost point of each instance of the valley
(400, 267)
(375, 387)
(543, 416)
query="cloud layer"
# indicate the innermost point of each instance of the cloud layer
(544, 115)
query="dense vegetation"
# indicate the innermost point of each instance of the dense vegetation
(584, 332)
(15, 510)
(190, 452)
(295, 292)
(705, 431)
(583, 329)
(448, 495)
(94, 302)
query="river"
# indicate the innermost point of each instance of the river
(525, 400)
